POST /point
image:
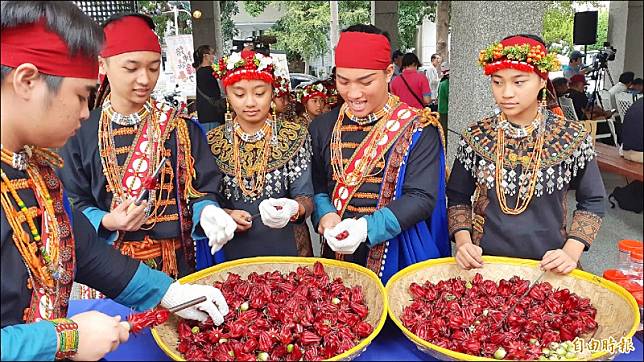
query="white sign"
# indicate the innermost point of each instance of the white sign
(179, 54)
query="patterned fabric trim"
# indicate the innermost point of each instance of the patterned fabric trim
(569, 148)
(459, 218)
(584, 227)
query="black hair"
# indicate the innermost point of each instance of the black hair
(410, 59)
(558, 82)
(199, 53)
(637, 81)
(369, 29)
(104, 87)
(626, 77)
(434, 56)
(79, 32)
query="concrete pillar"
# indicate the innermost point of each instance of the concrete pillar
(475, 25)
(203, 29)
(625, 33)
(386, 14)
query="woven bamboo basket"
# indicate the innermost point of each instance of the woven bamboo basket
(166, 334)
(617, 311)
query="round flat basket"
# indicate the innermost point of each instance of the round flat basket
(617, 311)
(167, 337)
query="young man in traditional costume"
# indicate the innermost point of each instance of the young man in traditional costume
(519, 166)
(49, 66)
(378, 166)
(114, 156)
(266, 163)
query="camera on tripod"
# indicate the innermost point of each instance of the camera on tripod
(601, 59)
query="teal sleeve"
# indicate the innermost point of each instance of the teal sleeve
(29, 342)
(197, 208)
(323, 206)
(95, 216)
(382, 225)
(145, 290)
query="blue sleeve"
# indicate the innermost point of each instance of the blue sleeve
(95, 216)
(197, 208)
(29, 342)
(145, 290)
(382, 225)
(323, 206)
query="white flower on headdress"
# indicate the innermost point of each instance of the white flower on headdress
(318, 87)
(232, 60)
(279, 71)
(263, 61)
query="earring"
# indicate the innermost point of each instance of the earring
(228, 119)
(543, 104)
(274, 124)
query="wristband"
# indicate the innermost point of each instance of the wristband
(67, 334)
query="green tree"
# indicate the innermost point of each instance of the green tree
(410, 16)
(558, 25)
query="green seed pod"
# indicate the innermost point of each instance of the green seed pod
(195, 330)
(500, 353)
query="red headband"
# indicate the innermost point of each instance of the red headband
(363, 51)
(129, 34)
(514, 64)
(34, 43)
(313, 94)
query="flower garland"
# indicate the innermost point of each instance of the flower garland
(521, 57)
(246, 64)
(312, 90)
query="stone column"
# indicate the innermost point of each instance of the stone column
(205, 29)
(475, 25)
(625, 34)
(386, 14)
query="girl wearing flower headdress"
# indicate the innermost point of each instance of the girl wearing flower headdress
(519, 166)
(266, 163)
(311, 100)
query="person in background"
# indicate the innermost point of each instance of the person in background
(412, 87)
(443, 97)
(636, 86)
(45, 247)
(210, 114)
(396, 58)
(632, 132)
(434, 75)
(577, 92)
(625, 80)
(311, 101)
(575, 65)
(561, 86)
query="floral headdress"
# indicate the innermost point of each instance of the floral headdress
(312, 90)
(281, 83)
(246, 64)
(520, 53)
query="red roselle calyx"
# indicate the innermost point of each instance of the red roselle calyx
(300, 315)
(465, 316)
(343, 235)
(151, 318)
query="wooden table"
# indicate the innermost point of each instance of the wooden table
(609, 160)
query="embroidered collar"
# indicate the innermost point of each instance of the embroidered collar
(126, 120)
(391, 104)
(17, 160)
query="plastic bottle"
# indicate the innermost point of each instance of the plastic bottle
(615, 275)
(625, 249)
(636, 271)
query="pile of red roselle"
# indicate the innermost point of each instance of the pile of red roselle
(467, 316)
(302, 315)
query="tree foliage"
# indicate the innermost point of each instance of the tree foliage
(558, 25)
(410, 16)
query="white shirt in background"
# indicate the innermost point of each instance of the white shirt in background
(434, 79)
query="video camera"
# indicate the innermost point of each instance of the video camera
(601, 59)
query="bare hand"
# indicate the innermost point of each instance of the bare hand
(468, 255)
(242, 218)
(120, 219)
(558, 261)
(328, 221)
(98, 334)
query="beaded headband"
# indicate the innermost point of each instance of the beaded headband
(520, 53)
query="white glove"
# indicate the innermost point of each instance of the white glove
(218, 226)
(274, 218)
(357, 230)
(214, 307)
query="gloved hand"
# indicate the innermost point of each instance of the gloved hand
(274, 218)
(214, 307)
(345, 237)
(218, 226)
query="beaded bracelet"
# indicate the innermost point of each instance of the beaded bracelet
(67, 331)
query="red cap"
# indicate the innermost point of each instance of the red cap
(630, 285)
(630, 245)
(34, 43)
(614, 275)
(129, 34)
(362, 51)
(578, 78)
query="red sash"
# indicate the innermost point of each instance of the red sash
(152, 135)
(343, 192)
